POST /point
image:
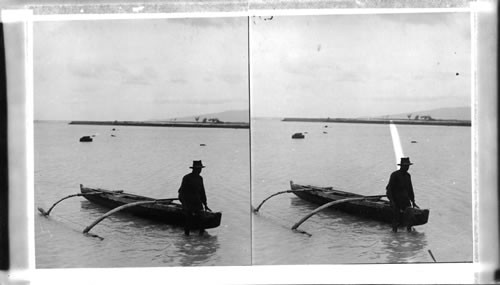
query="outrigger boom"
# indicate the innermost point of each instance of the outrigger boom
(302, 189)
(327, 205)
(117, 209)
(46, 213)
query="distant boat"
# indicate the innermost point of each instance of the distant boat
(325, 132)
(113, 135)
(413, 141)
(85, 139)
(202, 144)
(113, 129)
(298, 136)
(326, 126)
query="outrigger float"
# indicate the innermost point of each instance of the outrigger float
(162, 210)
(371, 207)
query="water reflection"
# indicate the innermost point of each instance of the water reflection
(370, 240)
(196, 250)
(403, 246)
(170, 246)
(88, 206)
(301, 204)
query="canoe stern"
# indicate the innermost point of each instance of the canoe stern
(212, 220)
(417, 217)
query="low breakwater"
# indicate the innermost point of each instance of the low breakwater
(462, 123)
(164, 124)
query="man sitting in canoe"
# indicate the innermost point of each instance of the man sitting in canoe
(193, 198)
(400, 193)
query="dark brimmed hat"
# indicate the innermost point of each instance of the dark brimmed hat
(405, 161)
(197, 164)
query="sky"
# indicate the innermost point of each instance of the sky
(140, 69)
(359, 65)
(301, 66)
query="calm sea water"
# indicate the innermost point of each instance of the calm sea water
(151, 161)
(144, 161)
(359, 158)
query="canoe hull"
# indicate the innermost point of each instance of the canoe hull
(379, 210)
(166, 212)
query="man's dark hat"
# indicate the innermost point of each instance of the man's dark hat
(405, 161)
(197, 164)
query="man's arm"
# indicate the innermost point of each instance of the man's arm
(389, 187)
(203, 196)
(411, 194)
(182, 187)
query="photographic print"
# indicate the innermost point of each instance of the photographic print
(141, 142)
(361, 138)
(161, 137)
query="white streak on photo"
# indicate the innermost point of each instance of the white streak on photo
(396, 142)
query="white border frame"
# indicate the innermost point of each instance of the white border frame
(279, 274)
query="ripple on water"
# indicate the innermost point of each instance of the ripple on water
(359, 158)
(144, 161)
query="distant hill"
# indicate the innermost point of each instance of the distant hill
(235, 116)
(458, 113)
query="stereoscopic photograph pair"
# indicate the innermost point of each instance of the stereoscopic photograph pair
(253, 140)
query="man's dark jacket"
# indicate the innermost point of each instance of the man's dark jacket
(192, 192)
(399, 189)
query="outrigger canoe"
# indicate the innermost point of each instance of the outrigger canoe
(168, 212)
(376, 209)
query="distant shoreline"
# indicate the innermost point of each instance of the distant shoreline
(434, 122)
(225, 125)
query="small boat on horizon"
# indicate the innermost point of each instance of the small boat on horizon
(298, 136)
(86, 139)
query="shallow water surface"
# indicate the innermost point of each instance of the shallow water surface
(146, 161)
(151, 161)
(359, 158)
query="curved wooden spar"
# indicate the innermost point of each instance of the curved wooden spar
(117, 209)
(282, 192)
(46, 213)
(336, 202)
